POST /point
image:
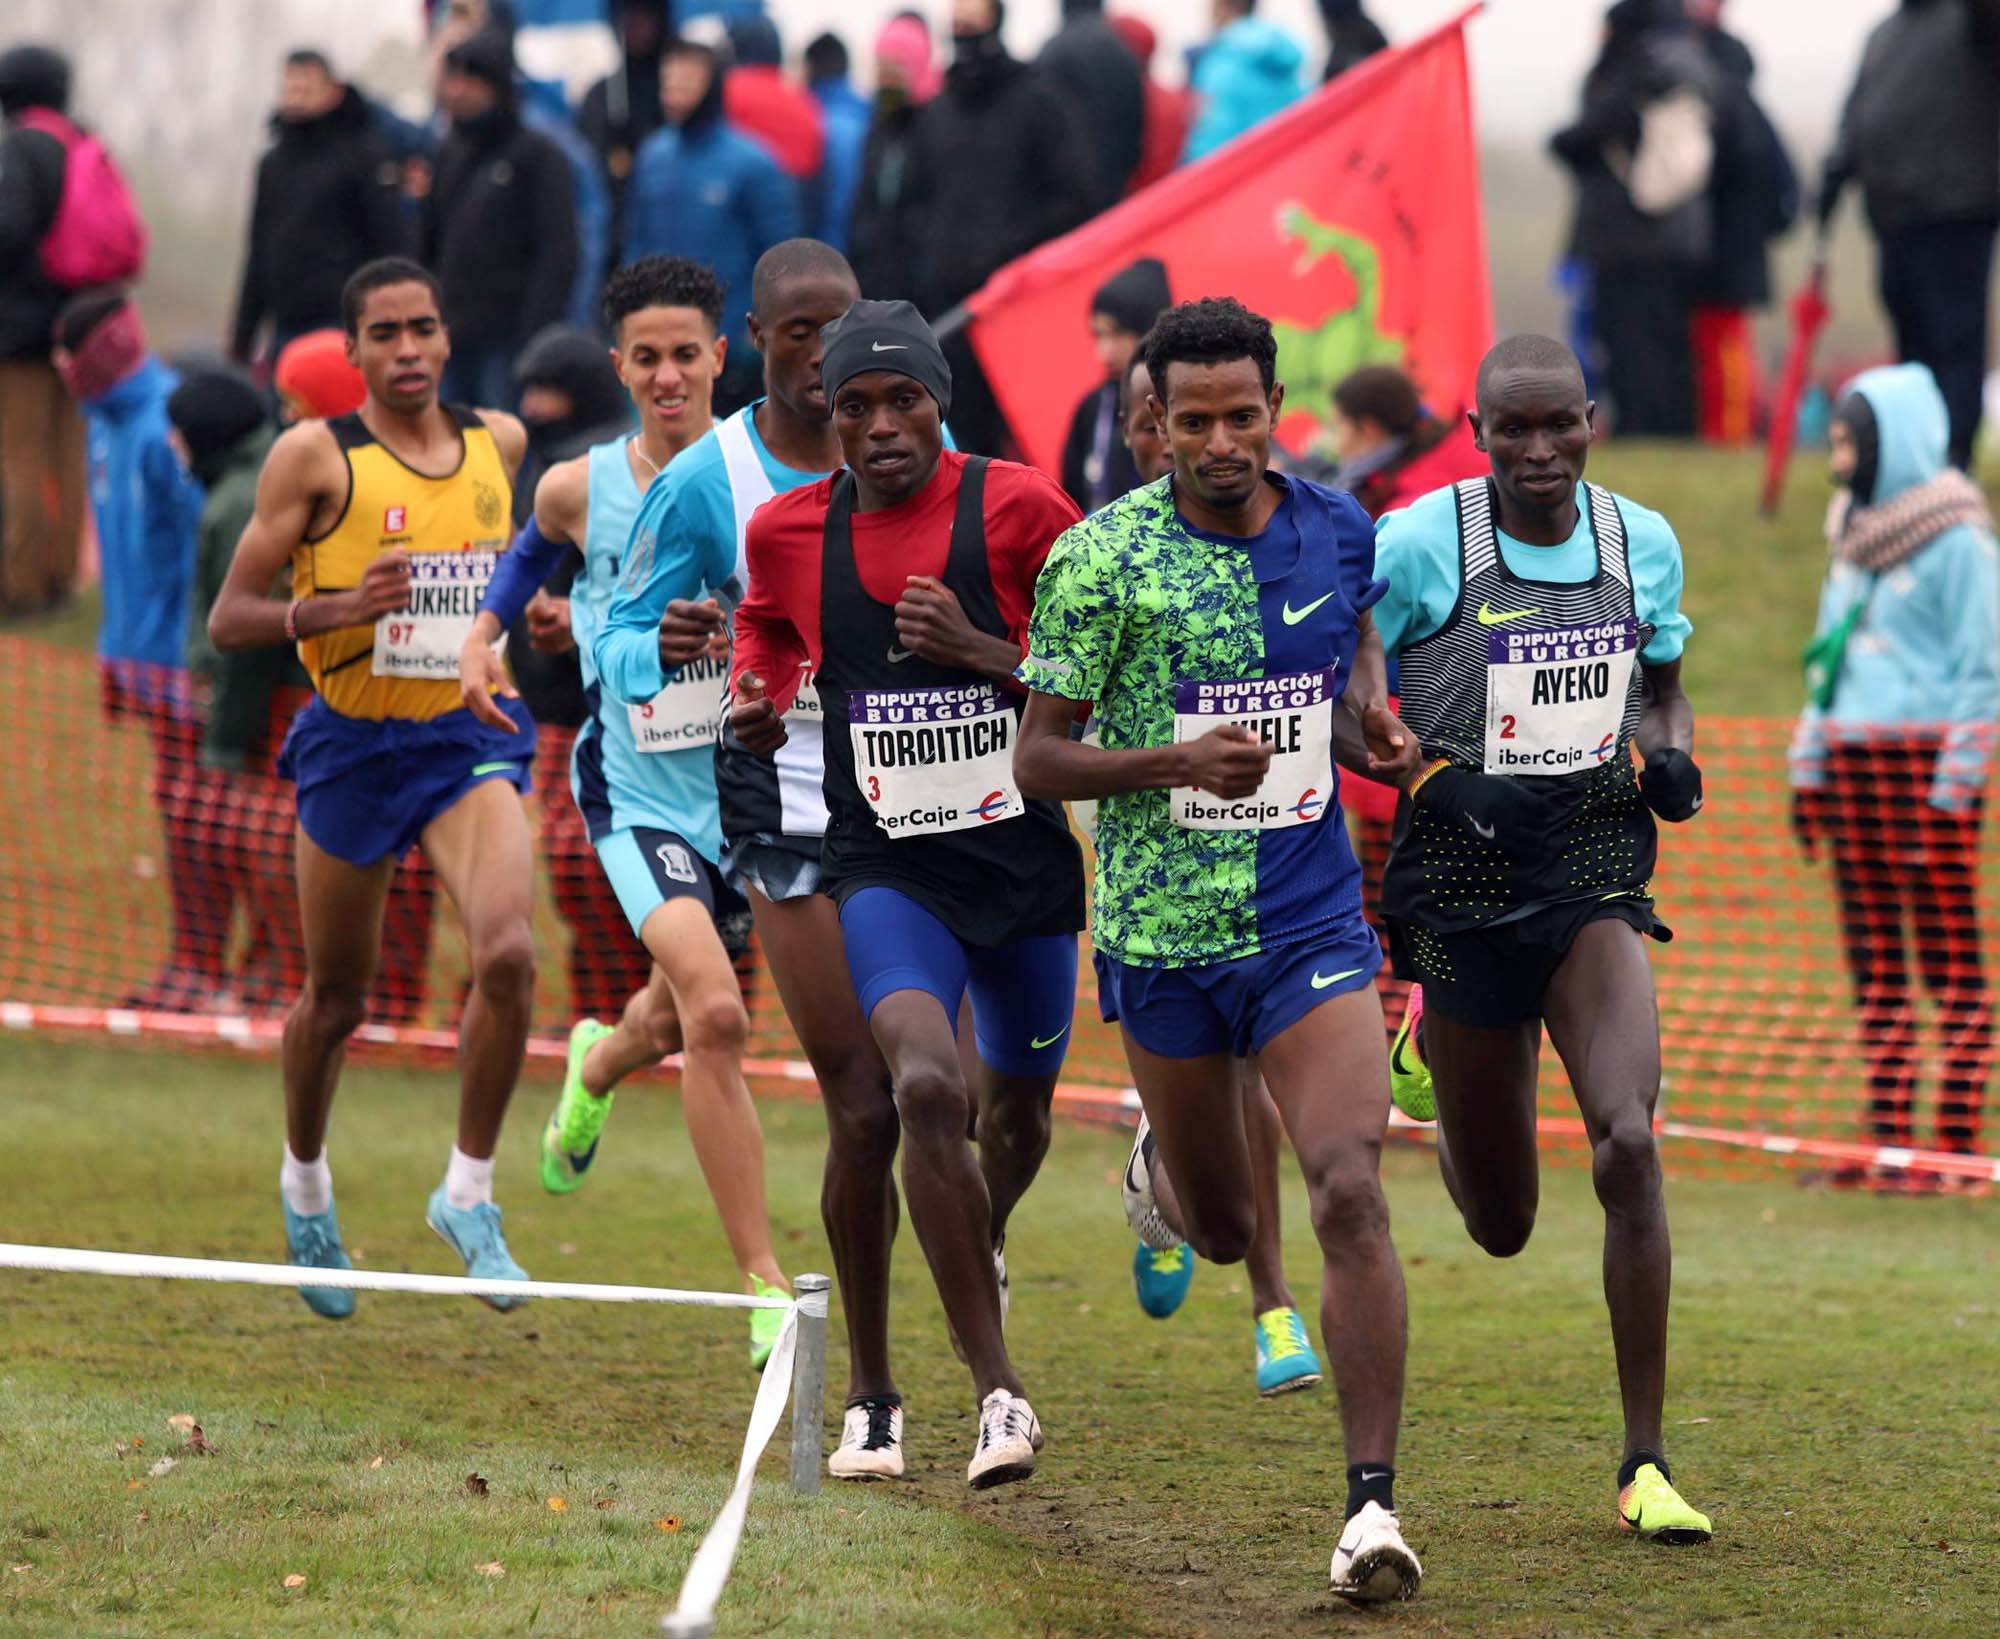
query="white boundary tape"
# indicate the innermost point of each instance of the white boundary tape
(69, 1260)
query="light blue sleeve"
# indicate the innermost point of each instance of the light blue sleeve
(678, 541)
(1654, 553)
(1416, 552)
(1969, 593)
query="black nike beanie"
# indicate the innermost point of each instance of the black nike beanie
(884, 336)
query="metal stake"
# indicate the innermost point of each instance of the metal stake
(809, 1382)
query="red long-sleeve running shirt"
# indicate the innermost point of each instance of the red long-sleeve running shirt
(778, 633)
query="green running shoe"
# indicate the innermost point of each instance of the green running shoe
(569, 1141)
(1652, 1510)
(1410, 1087)
(765, 1324)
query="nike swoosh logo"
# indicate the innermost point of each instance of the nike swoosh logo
(1375, 1474)
(483, 769)
(1333, 979)
(898, 656)
(1038, 1045)
(889, 347)
(1294, 616)
(1489, 616)
(1485, 831)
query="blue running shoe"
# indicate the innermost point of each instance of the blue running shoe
(474, 1234)
(1285, 1360)
(314, 1243)
(1162, 1278)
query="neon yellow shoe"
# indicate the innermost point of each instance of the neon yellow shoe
(1410, 1088)
(569, 1141)
(765, 1324)
(1652, 1510)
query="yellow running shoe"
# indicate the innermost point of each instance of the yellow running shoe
(1652, 1510)
(1410, 1087)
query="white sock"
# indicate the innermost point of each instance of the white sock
(307, 1186)
(467, 1182)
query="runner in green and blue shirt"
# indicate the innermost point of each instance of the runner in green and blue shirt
(1217, 622)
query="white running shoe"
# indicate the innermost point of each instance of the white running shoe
(1009, 1437)
(1142, 1211)
(1373, 1564)
(871, 1443)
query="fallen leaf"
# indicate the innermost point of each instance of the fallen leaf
(492, 1567)
(121, 1449)
(138, 1444)
(295, 1580)
(606, 1502)
(135, 1485)
(163, 1466)
(377, 1463)
(144, 1515)
(476, 1484)
(567, 1249)
(671, 1523)
(558, 1505)
(199, 1443)
(1946, 1548)
(181, 1421)
(21, 1570)
(1689, 1422)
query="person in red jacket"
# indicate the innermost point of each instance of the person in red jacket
(1391, 450)
(901, 586)
(757, 98)
(1169, 108)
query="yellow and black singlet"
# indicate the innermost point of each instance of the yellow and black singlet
(454, 528)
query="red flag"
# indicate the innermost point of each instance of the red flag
(1351, 221)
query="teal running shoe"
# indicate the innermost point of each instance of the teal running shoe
(314, 1243)
(1410, 1088)
(1285, 1360)
(569, 1141)
(1162, 1277)
(765, 1324)
(474, 1234)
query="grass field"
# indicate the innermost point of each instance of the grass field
(1832, 1405)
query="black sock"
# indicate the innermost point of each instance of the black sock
(1632, 1464)
(854, 1400)
(1370, 1482)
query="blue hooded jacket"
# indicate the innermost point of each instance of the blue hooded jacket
(710, 193)
(1926, 653)
(1247, 73)
(147, 509)
(847, 115)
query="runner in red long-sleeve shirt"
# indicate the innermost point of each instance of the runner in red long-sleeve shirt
(903, 585)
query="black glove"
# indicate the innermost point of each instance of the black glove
(1671, 785)
(1486, 804)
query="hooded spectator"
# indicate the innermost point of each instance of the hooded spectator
(998, 166)
(844, 113)
(1248, 71)
(622, 110)
(41, 434)
(1892, 754)
(328, 197)
(1089, 65)
(884, 229)
(1097, 467)
(759, 100)
(705, 190)
(1352, 36)
(1391, 448)
(1641, 150)
(500, 222)
(146, 508)
(1169, 109)
(315, 380)
(1921, 133)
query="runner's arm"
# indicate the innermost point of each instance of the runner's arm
(1369, 738)
(509, 437)
(661, 562)
(537, 552)
(296, 475)
(1228, 761)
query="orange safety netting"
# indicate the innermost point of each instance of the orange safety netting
(1835, 1009)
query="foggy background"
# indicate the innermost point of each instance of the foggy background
(181, 90)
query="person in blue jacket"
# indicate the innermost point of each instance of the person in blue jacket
(705, 190)
(846, 114)
(148, 511)
(1246, 73)
(1890, 759)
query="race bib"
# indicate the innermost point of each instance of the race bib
(1555, 701)
(422, 639)
(687, 712)
(931, 760)
(1293, 715)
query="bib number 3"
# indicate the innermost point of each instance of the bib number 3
(934, 760)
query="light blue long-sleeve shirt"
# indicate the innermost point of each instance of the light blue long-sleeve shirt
(1926, 652)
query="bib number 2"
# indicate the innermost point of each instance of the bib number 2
(1555, 701)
